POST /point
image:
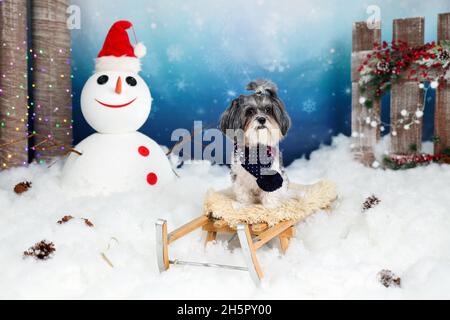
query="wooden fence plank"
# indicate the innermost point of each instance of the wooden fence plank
(442, 110)
(13, 84)
(52, 77)
(364, 137)
(406, 95)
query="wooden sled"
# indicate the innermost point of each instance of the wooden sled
(254, 225)
(251, 238)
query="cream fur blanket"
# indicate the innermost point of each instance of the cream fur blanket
(301, 202)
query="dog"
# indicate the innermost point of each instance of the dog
(257, 123)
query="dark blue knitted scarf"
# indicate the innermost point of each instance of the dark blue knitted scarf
(259, 166)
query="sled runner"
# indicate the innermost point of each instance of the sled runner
(254, 225)
(251, 238)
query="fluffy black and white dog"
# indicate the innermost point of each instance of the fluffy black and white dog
(256, 123)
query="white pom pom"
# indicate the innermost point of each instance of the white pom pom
(140, 50)
(434, 84)
(362, 100)
(419, 114)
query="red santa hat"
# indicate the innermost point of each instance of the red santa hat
(117, 53)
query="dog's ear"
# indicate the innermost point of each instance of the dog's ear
(262, 86)
(281, 116)
(229, 118)
(285, 123)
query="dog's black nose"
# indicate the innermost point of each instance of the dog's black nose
(261, 120)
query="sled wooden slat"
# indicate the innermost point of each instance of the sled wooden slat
(187, 228)
(271, 233)
(284, 243)
(442, 111)
(166, 246)
(211, 227)
(210, 236)
(406, 94)
(364, 137)
(260, 227)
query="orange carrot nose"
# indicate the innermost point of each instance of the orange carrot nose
(119, 86)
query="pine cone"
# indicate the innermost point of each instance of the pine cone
(383, 66)
(65, 219)
(370, 202)
(444, 55)
(41, 250)
(389, 279)
(22, 187)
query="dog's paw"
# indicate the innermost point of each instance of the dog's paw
(270, 182)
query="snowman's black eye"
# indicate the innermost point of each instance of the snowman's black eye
(102, 79)
(131, 81)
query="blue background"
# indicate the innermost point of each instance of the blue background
(201, 54)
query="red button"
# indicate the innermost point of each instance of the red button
(143, 151)
(152, 178)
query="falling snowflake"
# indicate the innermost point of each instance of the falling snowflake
(347, 90)
(277, 66)
(231, 93)
(174, 53)
(309, 106)
(181, 85)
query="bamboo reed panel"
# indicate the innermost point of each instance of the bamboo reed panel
(406, 94)
(52, 75)
(442, 110)
(364, 136)
(13, 84)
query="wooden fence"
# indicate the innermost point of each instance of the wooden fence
(36, 117)
(405, 94)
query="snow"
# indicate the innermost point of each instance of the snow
(334, 255)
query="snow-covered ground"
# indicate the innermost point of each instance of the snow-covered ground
(335, 255)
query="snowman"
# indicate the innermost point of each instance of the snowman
(116, 102)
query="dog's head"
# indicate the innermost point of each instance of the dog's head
(261, 116)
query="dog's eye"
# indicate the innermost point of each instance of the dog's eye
(250, 111)
(268, 109)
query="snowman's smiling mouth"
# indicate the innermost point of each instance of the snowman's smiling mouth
(116, 105)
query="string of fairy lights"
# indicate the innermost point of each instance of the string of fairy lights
(406, 120)
(13, 89)
(21, 115)
(32, 115)
(43, 118)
